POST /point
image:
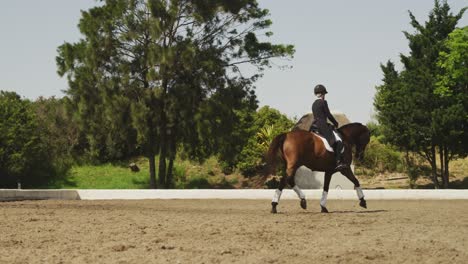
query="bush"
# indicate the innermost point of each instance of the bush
(197, 182)
(273, 182)
(268, 123)
(25, 155)
(381, 157)
(194, 175)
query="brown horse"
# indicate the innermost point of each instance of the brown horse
(302, 148)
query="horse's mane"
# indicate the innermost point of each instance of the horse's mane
(351, 124)
(359, 128)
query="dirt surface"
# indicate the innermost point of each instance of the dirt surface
(232, 231)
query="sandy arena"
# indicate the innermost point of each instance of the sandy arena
(233, 231)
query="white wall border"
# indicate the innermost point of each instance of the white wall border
(12, 194)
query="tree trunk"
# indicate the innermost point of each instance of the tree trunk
(162, 164)
(171, 154)
(410, 170)
(170, 181)
(151, 159)
(434, 168)
(152, 171)
(163, 138)
(446, 179)
(441, 157)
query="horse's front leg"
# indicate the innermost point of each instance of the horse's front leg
(326, 186)
(350, 175)
(360, 194)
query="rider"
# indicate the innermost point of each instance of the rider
(321, 113)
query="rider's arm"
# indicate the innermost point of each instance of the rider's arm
(329, 115)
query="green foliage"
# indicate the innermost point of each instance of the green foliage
(393, 107)
(197, 182)
(208, 174)
(452, 91)
(273, 182)
(25, 155)
(421, 109)
(453, 61)
(164, 75)
(60, 132)
(413, 171)
(376, 131)
(268, 123)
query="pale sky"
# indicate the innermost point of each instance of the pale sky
(338, 43)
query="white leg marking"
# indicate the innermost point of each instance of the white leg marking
(299, 192)
(359, 192)
(277, 196)
(323, 201)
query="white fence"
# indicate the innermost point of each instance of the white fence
(11, 194)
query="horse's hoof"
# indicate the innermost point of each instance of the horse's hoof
(273, 208)
(363, 203)
(303, 204)
(324, 209)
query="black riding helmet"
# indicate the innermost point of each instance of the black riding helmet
(320, 89)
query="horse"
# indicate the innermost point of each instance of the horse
(303, 148)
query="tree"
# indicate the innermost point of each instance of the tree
(170, 65)
(407, 103)
(24, 156)
(225, 125)
(451, 119)
(60, 133)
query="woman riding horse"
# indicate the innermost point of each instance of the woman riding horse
(321, 113)
(302, 148)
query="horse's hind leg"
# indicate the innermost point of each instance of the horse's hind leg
(350, 175)
(288, 178)
(326, 186)
(291, 181)
(277, 195)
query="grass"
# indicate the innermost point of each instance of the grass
(105, 176)
(187, 175)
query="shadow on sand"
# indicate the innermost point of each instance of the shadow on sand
(358, 212)
(346, 212)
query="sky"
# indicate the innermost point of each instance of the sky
(339, 44)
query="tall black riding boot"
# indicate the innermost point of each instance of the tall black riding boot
(340, 165)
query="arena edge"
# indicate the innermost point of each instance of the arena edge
(263, 194)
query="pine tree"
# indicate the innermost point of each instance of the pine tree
(450, 120)
(408, 106)
(171, 65)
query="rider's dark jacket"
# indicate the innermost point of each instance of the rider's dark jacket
(321, 113)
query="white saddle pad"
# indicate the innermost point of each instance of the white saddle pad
(325, 142)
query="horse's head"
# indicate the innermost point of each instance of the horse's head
(358, 135)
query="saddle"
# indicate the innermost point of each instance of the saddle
(314, 129)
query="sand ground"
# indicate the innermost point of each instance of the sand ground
(232, 231)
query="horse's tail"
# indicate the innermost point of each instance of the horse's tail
(272, 154)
